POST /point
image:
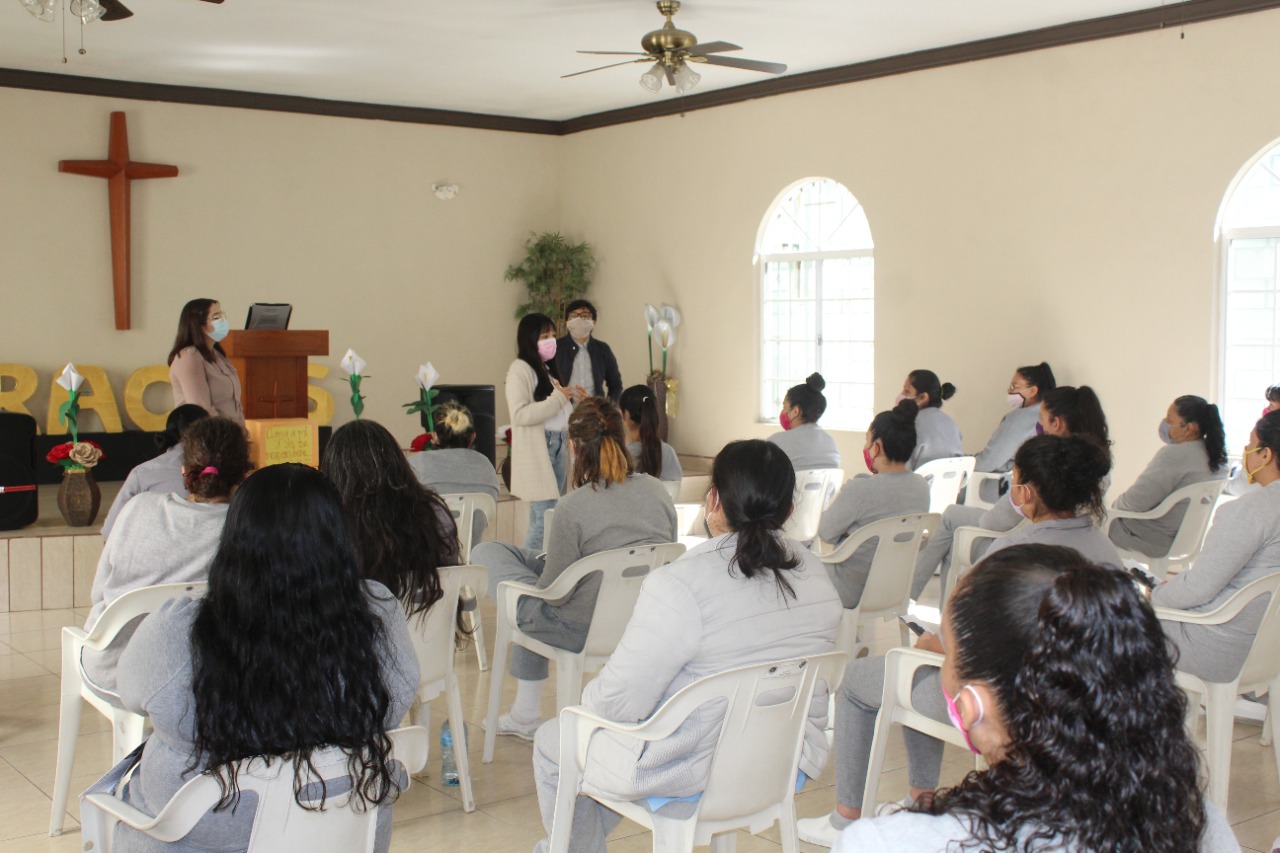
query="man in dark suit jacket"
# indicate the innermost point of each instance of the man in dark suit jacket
(583, 360)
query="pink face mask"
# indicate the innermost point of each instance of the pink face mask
(869, 459)
(547, 349)
(1017, 507)
(784, 420)
(954, 713)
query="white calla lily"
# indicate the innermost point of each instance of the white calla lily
(353, 364)
(650, 316)
(70, 379)
(427, 376)
(671, 314)
(666, 332)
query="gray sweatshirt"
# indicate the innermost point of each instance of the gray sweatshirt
(1079, 533)
(1015, 428)
(155, 679)
(591, 519)
(671, 470)
(158, 539)
(862, 500)
(808, 446)
(162, 474)
(1173, 467)
(937, 437)
(454, 471)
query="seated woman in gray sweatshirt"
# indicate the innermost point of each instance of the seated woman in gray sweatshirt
(1026, 388)
(1242, 546)
(807, 445)
(611, 506)
(890, 490)
(451, 467)
(167, 538)
(937, 436)
(162, 474)
(1195, 451)
(653, 456)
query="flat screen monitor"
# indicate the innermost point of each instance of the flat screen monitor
(268, 315)
(479, 399)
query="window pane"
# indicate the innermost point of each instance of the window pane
(790, 333)
(817, 216)
(1252, 334)
(1256, 200)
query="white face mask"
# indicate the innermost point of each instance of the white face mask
(580, 327)
(1015, 401)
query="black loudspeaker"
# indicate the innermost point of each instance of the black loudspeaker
(479, 399)
(18, 468)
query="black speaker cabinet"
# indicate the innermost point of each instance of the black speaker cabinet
(17, 468)
(479, 399)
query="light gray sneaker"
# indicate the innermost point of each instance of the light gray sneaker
(509, 725)
(817, 830)
(906, 802)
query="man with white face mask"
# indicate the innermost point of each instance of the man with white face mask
(584, 359)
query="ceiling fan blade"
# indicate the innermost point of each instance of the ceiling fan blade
(603, 67)
(712, 47)
(614, 52)
(115, 11)
(747, 64)
(213, 1)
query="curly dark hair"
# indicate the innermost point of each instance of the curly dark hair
(403, 531)
(285, 647)
(1067, 471)
(1098, 755)
(219, 444)
(756, 484)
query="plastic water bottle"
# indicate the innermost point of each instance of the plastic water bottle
(448, 765)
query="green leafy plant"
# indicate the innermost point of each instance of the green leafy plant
(555, 272)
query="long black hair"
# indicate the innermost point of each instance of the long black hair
(808, 398)
(896, 430)
(1067, 472)
(1040, 375)
(1202, 413)
(640, 405)
(403, 531)
(756, 484)
(179, 419)
(531, 328)
(1081, 409)
(191, 323)
(1098, 755)
(926, 382)
(285, 647)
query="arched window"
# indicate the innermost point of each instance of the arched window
(817, 293)
(1249, 239)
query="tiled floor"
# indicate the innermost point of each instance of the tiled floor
(430, 817)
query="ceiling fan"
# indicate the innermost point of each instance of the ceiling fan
(671, 50)
(85, 10)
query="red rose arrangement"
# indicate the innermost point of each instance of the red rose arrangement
(423, 442)
(76, 455)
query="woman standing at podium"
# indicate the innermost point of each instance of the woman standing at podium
(198, 368)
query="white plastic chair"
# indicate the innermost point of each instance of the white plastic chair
(546, 529)
(433, 640)
(1261, 671)
(1201, 498)
(887, 594)
(279, 823)
(672, 487)
(962, 544)
(973, 488)
(127, 728)
(814, 491)
(900, 667)
(945, 477)
(622, 571)
(464, 506)
(752, 780)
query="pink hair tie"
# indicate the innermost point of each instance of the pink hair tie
(209, 470)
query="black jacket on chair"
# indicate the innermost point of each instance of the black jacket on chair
(604, 367)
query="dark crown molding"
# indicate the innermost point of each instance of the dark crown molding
(1128, 23)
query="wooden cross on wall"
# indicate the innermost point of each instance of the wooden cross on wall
(119, 171)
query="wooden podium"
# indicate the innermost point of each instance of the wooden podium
(272, 364)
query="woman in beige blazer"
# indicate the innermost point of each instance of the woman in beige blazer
(539, 409)
(198, 368)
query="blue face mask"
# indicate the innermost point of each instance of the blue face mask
(220, 329)
(1164, 433)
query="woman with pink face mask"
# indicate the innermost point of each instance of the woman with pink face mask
(937, 436)
(1057, 674)
(806, 444)
(539, 407)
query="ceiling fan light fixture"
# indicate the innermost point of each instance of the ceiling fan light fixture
(652, 79)
(87, 10)
(42, 10)
(686, 79)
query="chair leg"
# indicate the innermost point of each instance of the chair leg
(789, 835)
(477, 637)
(501, 648)
(727, 842)
(568, 681)
(68, 732)
(879, 745)
(1219, 720)
(458, 727)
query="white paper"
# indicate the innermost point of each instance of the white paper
(353, 363)
(427, 376)
(70, 379)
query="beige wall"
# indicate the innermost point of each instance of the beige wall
(1056, 205)
(334, 215)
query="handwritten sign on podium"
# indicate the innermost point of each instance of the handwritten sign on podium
(276, 440)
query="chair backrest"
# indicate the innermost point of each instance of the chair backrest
(1263, 664)
(433, 631)
(758, 752)
(463, 506)
(893, 564)
(813, 492)
(962, 554)
(135, 603)
(1201, 498)
(672, 487)
(945, 478)
(622, 571)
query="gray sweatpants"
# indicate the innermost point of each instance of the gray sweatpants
(858, 705)
(536, 618)
(592, 822)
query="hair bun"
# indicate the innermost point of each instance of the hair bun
(948, 390)
(907, 410)
(816, 382)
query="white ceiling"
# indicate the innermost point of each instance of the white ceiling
(494, 56)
